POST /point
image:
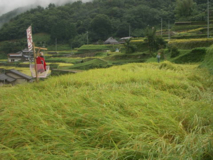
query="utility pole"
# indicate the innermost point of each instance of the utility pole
(4, 73)
(56, 44)
(129, 30)
(168, 30)
(161, 27)
(207, 18)
(87, 37)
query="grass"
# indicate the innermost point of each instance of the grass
(62, 64)
(130, 112)
(91, 64)
(60, 47)
(191, 43)
(186, 27)
(3, 60)
(96, 47)
(63, 59)
(194, 56)
(208, 60)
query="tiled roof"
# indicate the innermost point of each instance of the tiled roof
(4, 77)
(15, 54)
(111, 40)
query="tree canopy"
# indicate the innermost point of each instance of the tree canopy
(100, 18)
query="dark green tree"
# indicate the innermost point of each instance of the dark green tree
(123, 30)
(101, 27)
(150, 39)
(184, 8)
(12, 47)
(129, 47)
(63, 31)
(79, 40)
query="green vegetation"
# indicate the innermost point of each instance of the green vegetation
(208, 60)
(91, 64)
(61, 47)
(63, 59)
(116, 107)
(134, 111)
(95, 47)
(191, 43)
(78, 23)
(196, 55)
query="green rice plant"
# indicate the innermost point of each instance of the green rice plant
(196, 55)
(186, 27)
(60, 47)
(95, 47)
(191, 43)
(63, 59)
(208, 60)
(90, 64)
(192, 30)
(133, 111)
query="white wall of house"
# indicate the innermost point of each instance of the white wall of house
(14, 59)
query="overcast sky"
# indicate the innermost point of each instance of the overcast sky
(9, 5)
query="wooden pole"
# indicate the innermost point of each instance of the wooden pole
(34, 53)
(40, 48)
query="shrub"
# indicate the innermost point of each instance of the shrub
(173, 50)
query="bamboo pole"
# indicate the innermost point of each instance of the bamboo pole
(40, 48)
(34, 53)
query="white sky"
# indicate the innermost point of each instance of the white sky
(9, 5)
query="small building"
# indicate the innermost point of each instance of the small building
(111, 40)
(14, 77)
(126, 38)
(24, 55)
(15, 57)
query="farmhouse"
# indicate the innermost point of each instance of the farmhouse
(125, 38)
(24, 55)
(111, 40)
(14, 77)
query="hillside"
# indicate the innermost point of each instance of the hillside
(134, 111)
(99, 19)
(9, 15)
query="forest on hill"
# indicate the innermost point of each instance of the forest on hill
(100, 19)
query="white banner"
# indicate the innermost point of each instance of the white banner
(29, 38)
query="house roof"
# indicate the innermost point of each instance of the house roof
(26, 50)
(15, 54)
(111, 40)
(20, 74)
(124, 38)
(4, 77)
